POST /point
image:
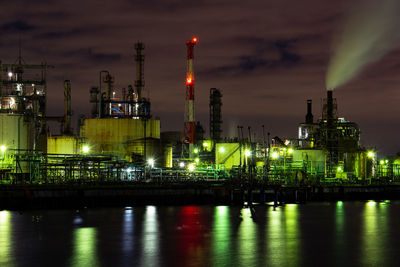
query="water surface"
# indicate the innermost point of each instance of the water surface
(313, 234)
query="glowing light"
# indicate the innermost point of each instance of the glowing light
(382, 162)
(191, 167)
(287, 142)
(290, 151)
(222, 149)
(10, 74)
(3, 148)
(128, 170)
(197, 160)
(206, 144)
(181, 164)
(247, 153)
(85, 149)
(196, 150)
(371, 154)
(339, 169)
(275, 155)
(189, 80)
(150, 162)
(194, 40)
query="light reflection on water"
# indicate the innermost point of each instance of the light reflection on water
(375, 234)
(283, 236)
(6, 257)
(150, 238)
(85, 247)
(221, 236)
(349, 233)
(247, 239)
(127, 232)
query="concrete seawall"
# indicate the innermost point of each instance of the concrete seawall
(76, 196)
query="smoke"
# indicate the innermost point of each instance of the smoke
(369, 32)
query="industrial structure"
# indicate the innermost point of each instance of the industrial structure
(215, 115)
(122, 141)
(189, 124)
(326, 149)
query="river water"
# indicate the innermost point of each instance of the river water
(312, 234)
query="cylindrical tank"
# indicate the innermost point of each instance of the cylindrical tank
(17, 134)
(16, 131)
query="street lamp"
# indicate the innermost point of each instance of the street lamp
(85, 149)
(151, 162)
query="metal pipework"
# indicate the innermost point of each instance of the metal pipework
(139, 83)
(67, 107)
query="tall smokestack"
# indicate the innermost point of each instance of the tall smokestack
(67, 107)
(189, 122)
(329, 106)
(94, 101)
(139, 83)
(309, 115)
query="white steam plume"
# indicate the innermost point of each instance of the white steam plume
(370, 31)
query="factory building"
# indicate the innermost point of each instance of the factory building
(22, 115)
(121, 124)
(326, 149)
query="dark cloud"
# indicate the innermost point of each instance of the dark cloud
(61, 34)
(18, 26)
(260, 59)
(165, 6)
(88, 54)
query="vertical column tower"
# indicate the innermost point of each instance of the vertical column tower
(189, 120)
(139, 58)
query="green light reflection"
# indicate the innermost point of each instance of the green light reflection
(375, 234)
(339, 219)
(339, 230)
(283, 238)
(247, 239)
(6, 257)
(85, 242)
(292, 233)
(221, 241)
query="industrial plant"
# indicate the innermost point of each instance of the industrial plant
(122, 141)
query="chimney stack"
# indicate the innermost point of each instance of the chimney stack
(309, 115)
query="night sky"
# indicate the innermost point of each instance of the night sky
(267, 57)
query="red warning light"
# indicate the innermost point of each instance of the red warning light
(194, 39)
(189, 80)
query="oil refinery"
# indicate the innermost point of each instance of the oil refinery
(121, 141)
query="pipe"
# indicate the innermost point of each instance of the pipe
(67, 107)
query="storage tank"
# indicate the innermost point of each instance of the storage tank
(63, 145)
(17, 132)
(121, 137)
